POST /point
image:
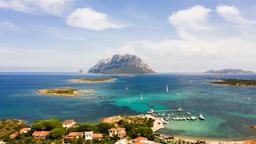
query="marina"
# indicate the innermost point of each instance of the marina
(178, 114)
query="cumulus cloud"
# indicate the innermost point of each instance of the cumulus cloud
(192, 50)
(88, 18)
(193, 19)
(53, 7)
(232, 14)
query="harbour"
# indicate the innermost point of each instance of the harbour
(178, 114)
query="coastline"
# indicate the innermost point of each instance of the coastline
(61, 92)
(210, 140)
(92, 80)
(235, 82)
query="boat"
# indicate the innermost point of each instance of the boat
(141, 97)
(151, 111)
(179, 109)
(248, 99)
(193, 118)
(201, 117)
(127, 88)
(167, 88)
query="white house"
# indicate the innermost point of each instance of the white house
(69, 123)
(88, 135)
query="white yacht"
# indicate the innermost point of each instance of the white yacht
(151, 111)
(167, 88)
(201, 117)
(179, 109)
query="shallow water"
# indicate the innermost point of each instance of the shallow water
(228, 112)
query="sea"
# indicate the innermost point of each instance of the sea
(229, 111)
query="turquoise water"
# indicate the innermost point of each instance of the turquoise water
(228, 112)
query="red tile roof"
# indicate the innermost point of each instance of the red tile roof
(40, 133)
(139, 138)
(75, 134)
(25, 130)
(14, 135)
(68, 121)
(97, 136)
(117, 129)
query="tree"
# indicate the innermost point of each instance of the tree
(145, 132)
(104, 127)
(46, 124)
(57, 133)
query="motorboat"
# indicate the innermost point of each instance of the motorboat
(201, 117)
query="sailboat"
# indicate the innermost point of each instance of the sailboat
(141, 97)
(167, 88)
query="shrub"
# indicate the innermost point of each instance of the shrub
(57, 133)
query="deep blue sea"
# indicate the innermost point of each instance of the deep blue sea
(228, 111)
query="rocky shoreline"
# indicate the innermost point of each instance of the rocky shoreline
(235, 82)
(66, 91)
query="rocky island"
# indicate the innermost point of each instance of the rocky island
(84, 80)
(121, 64)
(65, 91)
(236, 82)
(229, 71)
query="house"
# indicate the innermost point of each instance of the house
(122, 141)
(25, 130)
(88, 135)
(120, 132)
(69, 123)
(141, 140)
(14, 135)
(40, 134)
(97, 136)
(138, 139)
(74, 135)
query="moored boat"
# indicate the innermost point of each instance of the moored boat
(201, 117)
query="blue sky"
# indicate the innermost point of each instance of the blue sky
(170, 35)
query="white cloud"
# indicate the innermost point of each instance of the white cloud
(175, 55)
(193, 19)
(232, 14)
(52, 7)
(204, 45)
(88, 18)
